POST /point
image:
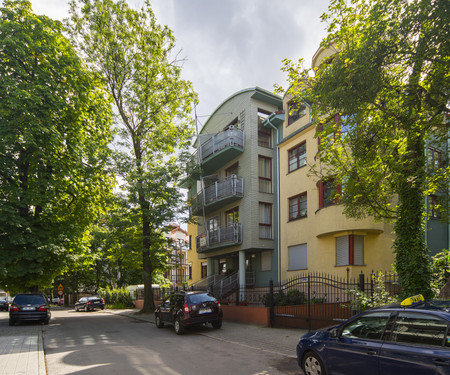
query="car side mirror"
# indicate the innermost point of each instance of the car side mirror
(334, 332)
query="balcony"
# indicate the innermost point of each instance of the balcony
(220, 237)
(217, 195)
(218, 149)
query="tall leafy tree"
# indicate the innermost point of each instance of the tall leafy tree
(135, 55)
(55, 121)
(382, 98)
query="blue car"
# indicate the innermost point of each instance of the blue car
(411, 338)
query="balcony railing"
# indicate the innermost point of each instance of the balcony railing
(220, 237)
(218, 194)
(231, 137)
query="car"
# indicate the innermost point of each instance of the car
(411, 338)
(185, 309)
(55, 300)
(4, 305)
(29, 307)
(90, 303)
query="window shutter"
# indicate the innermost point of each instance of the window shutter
(297, 257)
(358, 250)
(342, 251)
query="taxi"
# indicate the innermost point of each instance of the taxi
(411, 338)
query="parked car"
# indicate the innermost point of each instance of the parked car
(411, 338)
(184, 309)
(90, 303)
(55, 300)
(4, 305)
(29, 306)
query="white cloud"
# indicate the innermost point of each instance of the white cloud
(231, 45)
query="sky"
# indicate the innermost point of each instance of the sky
(231, 45)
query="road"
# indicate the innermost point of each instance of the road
(100, 343)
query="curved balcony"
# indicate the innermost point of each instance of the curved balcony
(219, 194)
(221, 237)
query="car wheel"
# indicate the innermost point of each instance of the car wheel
(217, 324)
(312, 364)
(11, 322)
(179, 329)
(158, 321)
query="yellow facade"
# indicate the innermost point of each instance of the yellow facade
(192, 256)
(320, 231)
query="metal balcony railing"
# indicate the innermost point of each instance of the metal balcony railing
(220, 237)
(217, 142)
(229, 189)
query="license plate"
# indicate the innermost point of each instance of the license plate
(204, 311)
(28, 308)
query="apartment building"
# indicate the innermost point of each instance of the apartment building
(313, 233)
(232, 198)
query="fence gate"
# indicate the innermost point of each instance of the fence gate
(315, 300)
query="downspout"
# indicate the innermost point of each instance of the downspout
(277, 195)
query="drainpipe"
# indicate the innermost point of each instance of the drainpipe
(277, 198)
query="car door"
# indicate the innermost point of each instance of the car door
(356, 349)
(417, 345)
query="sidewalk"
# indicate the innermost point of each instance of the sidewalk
(281, 341)
(22, 351)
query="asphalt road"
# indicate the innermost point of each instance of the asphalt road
(100, 343)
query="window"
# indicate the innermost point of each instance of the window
(370, 326)
(233, 170)
(328, 192)
(232, 216)
(297, 157)
(266, 261)
(297, 206)
(350, 250)
(433, 207)
(264, 133)
(204, 270)
(297, 257)
(295, 111)
(265, 174)
(418, 328)
(190, 242)
(265, 221)
(434, 158)
(213, 229)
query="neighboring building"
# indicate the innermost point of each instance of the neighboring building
(179, 269)
(233, 197)
(314, 234)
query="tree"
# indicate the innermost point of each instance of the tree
(133, 53)
(388, 84)
(55, 127)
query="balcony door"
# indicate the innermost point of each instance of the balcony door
(232, 217)
(213, 229)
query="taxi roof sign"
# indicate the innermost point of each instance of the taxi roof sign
(412, 300)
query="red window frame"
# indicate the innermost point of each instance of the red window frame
(291, 200)
(297, 156)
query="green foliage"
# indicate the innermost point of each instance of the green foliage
(116, 298)
(292, 297)
(135, 56)
(55, 128)
(440, 270)
(381, 99)
(362, 301)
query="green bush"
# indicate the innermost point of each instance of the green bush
(293, 297)
(116, 298)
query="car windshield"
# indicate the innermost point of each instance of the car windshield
(29, 300)
(199, 298)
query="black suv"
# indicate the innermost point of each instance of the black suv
(30, 306)
(184, 309)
